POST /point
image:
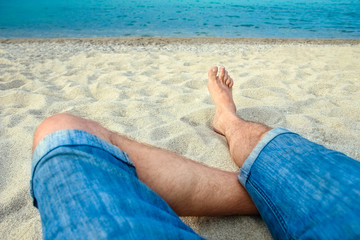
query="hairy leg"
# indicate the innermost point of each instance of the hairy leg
(190, 188)
(242, 136)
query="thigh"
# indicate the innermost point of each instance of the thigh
(86, 188)
(304, 190)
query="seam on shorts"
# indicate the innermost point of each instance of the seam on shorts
(246, 172)
(68, 145)
(129, 163)
(98, 143)
(260, 150)
(271, 206)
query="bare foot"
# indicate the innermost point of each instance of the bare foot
(242, 136)
(220, 88)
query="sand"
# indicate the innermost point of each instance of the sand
(154, 90)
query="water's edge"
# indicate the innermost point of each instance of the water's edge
(160, 41)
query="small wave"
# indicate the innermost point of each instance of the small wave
(247, 25)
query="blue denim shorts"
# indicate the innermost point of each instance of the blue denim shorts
(86, 188)
(303, 190)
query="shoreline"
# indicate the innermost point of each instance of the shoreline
(161, 41)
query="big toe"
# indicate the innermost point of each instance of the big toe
(213, 72)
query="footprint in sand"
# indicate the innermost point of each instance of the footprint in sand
(270, 116)
(12, 84)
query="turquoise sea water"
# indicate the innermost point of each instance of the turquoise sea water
(180, 18)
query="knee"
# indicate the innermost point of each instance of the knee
(54, 123)
(62, 121)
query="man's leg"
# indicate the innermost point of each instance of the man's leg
(86, 188)
(190, 188)
(301, 189)
(242, 136)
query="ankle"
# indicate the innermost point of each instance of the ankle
(224, 120)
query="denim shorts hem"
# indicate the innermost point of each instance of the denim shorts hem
(246, 168)
(72, 137)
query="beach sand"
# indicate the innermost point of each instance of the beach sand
(154, 90)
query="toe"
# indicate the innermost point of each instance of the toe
(231, 83)
(222, 73)
(226, 75)
(227, 81)
(227, 78)
(213, 72)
